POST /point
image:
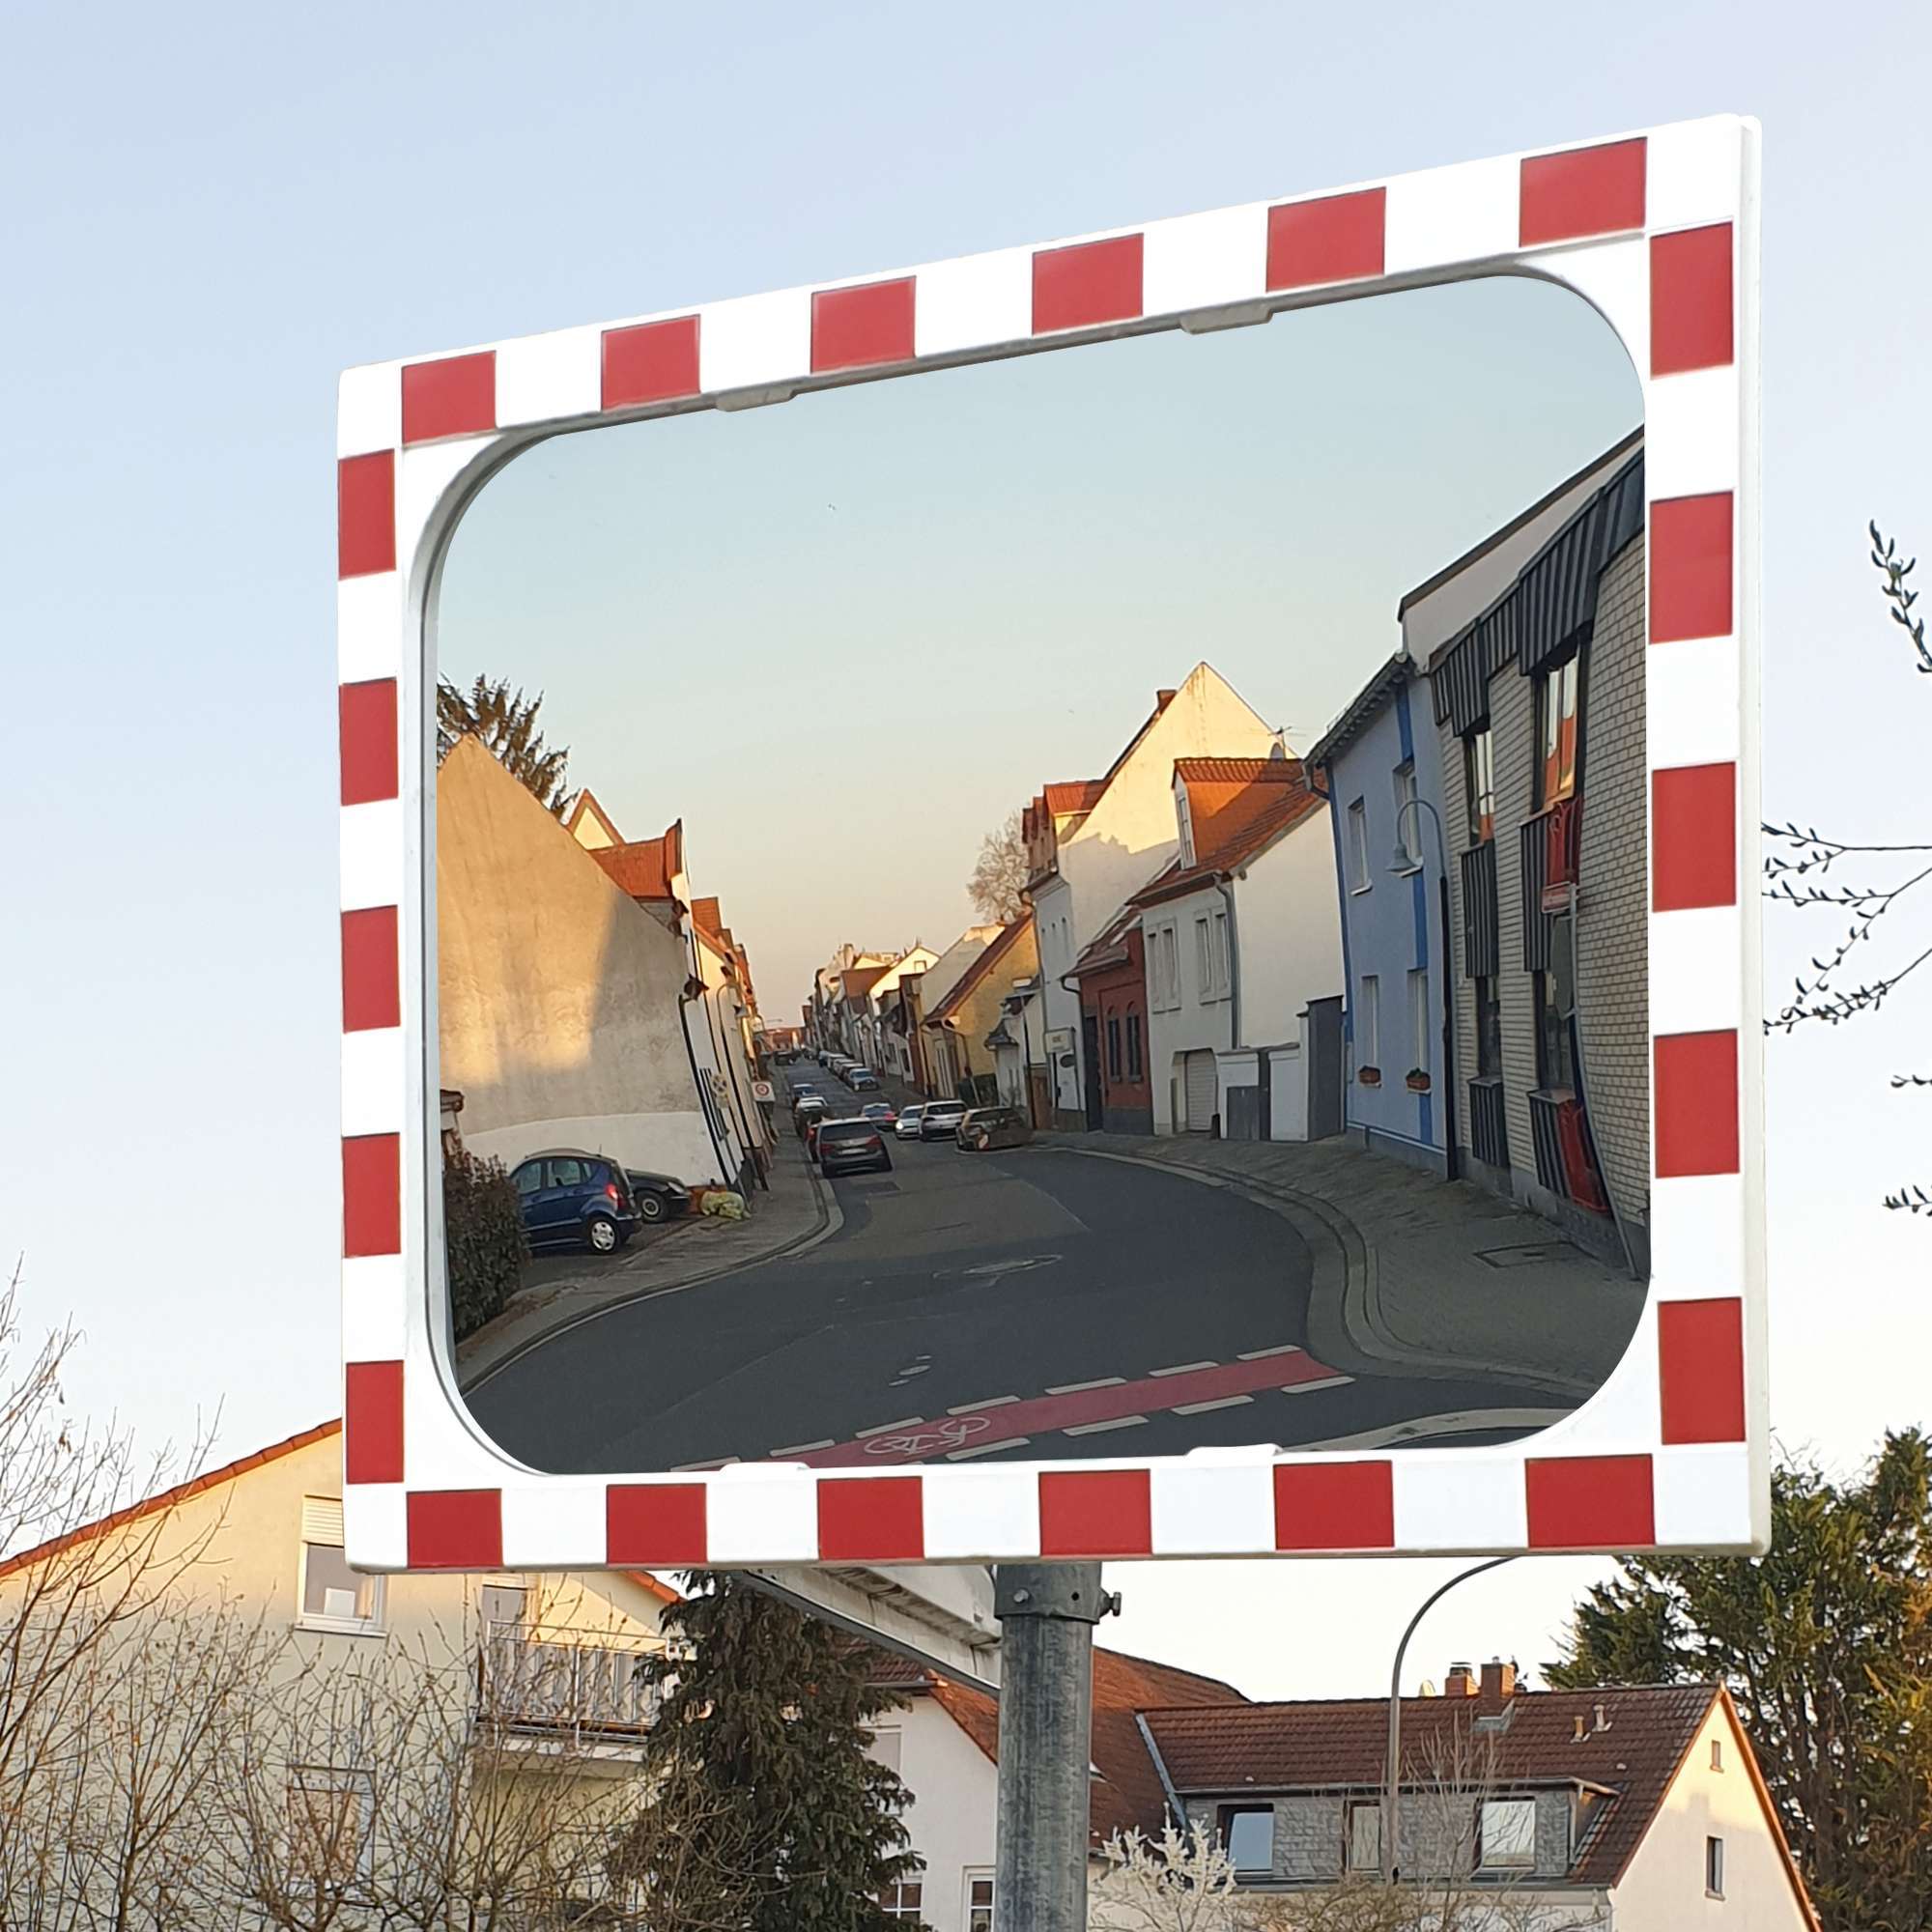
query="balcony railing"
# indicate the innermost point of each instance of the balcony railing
(563, 1686)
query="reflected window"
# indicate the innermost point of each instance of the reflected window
(1479, 783)
(1556, 695)
(1369, 1023)
(1247, 1832)
(1133, 1047)
(1489, 1028)
(1555, 1009)
(1508, 1828)
(1358, 847)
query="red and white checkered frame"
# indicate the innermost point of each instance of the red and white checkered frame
(1659, 231)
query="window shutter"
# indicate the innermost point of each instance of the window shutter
(322, 1519)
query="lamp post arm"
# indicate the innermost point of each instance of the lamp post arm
(1392, 1766)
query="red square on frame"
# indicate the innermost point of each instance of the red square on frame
(365, 514)
(854, 328)
(871, 1518)
(1690, 300)
(371, 980)
(650, 362)
(1696, 1100)
(1338, 238)
(1095, 1512)
(456, 1529)
(1590, 1502)
(1691, 563)
(1700, 1362)
(367, 725)
(372, 1422)
(456, 396)
(1587, 191)
(1334, 1506)
(1693, 837)
(372, 1195)
(1088, 284)
(655, 1524)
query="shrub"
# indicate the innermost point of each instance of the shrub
(483, 1232)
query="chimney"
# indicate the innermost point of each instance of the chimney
(1498, 1686)
(1602, 1718)
(1460, 1680)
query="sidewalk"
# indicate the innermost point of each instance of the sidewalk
(1412, 1273)
(796, 1212)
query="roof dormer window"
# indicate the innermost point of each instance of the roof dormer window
(1186, 825)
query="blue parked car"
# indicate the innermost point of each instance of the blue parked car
(572, 1198)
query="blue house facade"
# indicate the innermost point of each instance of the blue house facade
(1379, 765)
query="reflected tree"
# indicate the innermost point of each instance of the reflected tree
(997, 885)
(506, 722)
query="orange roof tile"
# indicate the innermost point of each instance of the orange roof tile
(644, 868)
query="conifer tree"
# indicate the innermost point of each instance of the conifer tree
(506, 722)
(765, 1812)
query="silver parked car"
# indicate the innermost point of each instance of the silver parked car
(906, 1126)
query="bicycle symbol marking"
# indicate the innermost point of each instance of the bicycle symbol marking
(953, 1431)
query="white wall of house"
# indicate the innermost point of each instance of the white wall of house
(954, 1805)
(1288, 932)
(1129, 834)
(1662, 1888)
(1190, 1005)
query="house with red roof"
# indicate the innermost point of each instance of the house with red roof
(961, 1062)
(1093, 842)
(1240, 935)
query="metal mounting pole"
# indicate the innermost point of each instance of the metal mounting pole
(1047, 1612)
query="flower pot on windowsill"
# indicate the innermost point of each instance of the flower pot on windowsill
(1418, 1081)
(1370, 1076)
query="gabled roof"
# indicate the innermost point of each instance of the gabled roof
(1161, 700)
(588, 807)
(1127, 1793)
(1382, 686)
(1342, 1744)
(1109, 946)
(1236, 829)
(1074, 795)
(644, 868)
(997, 950)
(857, 981)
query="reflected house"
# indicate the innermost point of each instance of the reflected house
(881, 1043)
(955, 1026)
(1240, 936)
(1380, 767)
(1016, 1045)
(826, 1019)
(1534, 644)
(920, 992)
(560, 999)
(1092, 844)
(1112, 978)
(730, 1017)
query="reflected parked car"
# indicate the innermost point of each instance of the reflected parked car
(883, 1114)
(569, 1198)
(988, 1128)
(847, 1146)
(941, 1119)
(808, 1109)
(906, 1126)
(660, 1197)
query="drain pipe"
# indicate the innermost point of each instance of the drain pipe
(1583, 1072)
(1227, 886)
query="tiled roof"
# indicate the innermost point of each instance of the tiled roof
(1238, 770)
(859, 980)
(644, 867)
(708, 914)
(995, 951)
(1075, 795)
(1252, 818)
(1127, 1794)
(1109, 946)
(1362, 707)
(1342, 1744)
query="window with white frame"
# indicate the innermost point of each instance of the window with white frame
(1359, 877)
(330, 1815)
(1508, 1840)
(1217, 955)
(1247, 1835)
(1406, 829)
(1714, 1867)
(1204, 957)
(1419, 1027)
(885, 1746)
(333, 1597)
(902, 1900)
(1364, 1846)
(1186, 827)
(1369, 1023)
(978, 1901)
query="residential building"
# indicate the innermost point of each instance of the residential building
(954, 1027)
(730, 1021)
(1112, 977)
(1380, 767)
(1639, 1807)
(1019, 1067)
(365, 1700)
(878, 1048)
(1091, 845)
(944, 1741)
(1240, 936)
(561, 1007)
(919, 991)
(1534, 644)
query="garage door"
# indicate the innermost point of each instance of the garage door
(1203, 1084)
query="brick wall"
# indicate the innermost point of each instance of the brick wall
(1612, 962)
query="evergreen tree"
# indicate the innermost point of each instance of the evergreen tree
(1826, 1644)
(765, 1812)
(506, 722)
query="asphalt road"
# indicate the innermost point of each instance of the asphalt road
(1029, 1303)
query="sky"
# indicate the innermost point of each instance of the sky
(207, 213)
(935, 595)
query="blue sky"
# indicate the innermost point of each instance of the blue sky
(207, 215)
